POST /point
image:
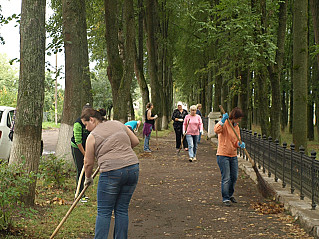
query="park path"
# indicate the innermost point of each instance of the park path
(179, 199)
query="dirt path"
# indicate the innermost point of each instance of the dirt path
(179, 199)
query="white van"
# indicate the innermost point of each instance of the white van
(6, 117)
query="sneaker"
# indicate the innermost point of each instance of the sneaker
(147, 151)
(194, 159)
(233, 200)
(227, 203)
(83, 200)
(190, 159)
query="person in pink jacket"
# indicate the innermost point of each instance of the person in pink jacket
(194, 127)
(227, 153)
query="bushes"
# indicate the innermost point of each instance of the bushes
(54, 171)
(14, 183)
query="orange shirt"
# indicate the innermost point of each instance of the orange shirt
(227, 140)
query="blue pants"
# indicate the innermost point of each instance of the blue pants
(192, 145)
(114, 192)
(229, 169)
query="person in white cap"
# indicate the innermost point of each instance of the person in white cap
(178, 117)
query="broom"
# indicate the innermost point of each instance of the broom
(264, 188)
(73, 205)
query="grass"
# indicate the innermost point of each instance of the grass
(50, 125)
(287, 138)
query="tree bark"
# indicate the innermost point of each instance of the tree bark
(300, 65)
(275, 72)
(28, 121)
(77, 79)
(314, 6)
(152, 46)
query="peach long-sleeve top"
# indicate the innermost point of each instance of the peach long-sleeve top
(227, 140)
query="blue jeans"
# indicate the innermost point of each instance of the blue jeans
(192, 145)
(199, 136)
(229, 169)
(114, 192)
(147, 141)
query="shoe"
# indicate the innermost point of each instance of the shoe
(190, 159)
(194, 159)
(227, 203)
(147, 151)
(233, 200)
(83, 200)
(186, 149)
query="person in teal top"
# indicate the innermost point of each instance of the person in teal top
(78, 141)
(133, 125)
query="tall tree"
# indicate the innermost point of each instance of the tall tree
(275, 71)
(77, 79)
(120, 71)
(300, 66)
(314, 5)
(28, 121)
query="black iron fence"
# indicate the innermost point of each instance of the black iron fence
(297, 169)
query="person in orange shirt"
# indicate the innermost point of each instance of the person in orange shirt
(227, 153)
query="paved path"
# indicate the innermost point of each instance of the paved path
(179, 199)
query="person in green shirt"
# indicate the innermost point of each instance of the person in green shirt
(78, 141)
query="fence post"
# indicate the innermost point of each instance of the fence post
(313, 157)
(302, 151)
(277, 143)
(292, 148)
(255, 146)
(264, 143)
(284, 145)
(259, 149)
(269, 142)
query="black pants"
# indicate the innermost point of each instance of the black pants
(179, 135)
(78, 158)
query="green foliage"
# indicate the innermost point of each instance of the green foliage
(54, 171)
(14, 184)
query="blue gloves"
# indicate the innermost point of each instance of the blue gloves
(242, 145)
(225, 117)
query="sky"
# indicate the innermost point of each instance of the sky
(11, 36)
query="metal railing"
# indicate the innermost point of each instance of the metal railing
(297, 169)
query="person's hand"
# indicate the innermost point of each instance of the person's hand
(201, 131)
(242, 145)
(225, 117)
(180, 120)
(184, 132)
(155, 117)
(88, 181)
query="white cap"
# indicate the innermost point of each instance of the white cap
(179, 103)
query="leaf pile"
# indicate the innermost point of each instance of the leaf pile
(269, 207)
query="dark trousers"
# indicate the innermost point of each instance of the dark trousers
(78, 158)
(179, 135)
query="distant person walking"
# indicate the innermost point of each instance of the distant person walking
(112, 143)
(178, 117)
(198, 111)
(133, 125)
(78, 141)
(148, 126)
(195, 126)
(227, 153)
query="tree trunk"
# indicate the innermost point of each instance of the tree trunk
(139, 62)
(77, 79)
(314, 5)
(275, 72)
(209, 95)
(119, 74)
(300, 65)
(217, 92)
(243, 101)
(152, 46)
(28, 121)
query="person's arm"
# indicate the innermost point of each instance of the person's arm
(80, 146)
(77, 131)
(149, 115)
(133, 138)
(89, 156)
(200, 124)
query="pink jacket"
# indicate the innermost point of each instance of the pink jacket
(195, 124)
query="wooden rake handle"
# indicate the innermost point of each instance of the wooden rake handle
(73, 205)
(239, 139)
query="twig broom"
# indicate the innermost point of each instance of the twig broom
(264, 188)
(183, 137)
